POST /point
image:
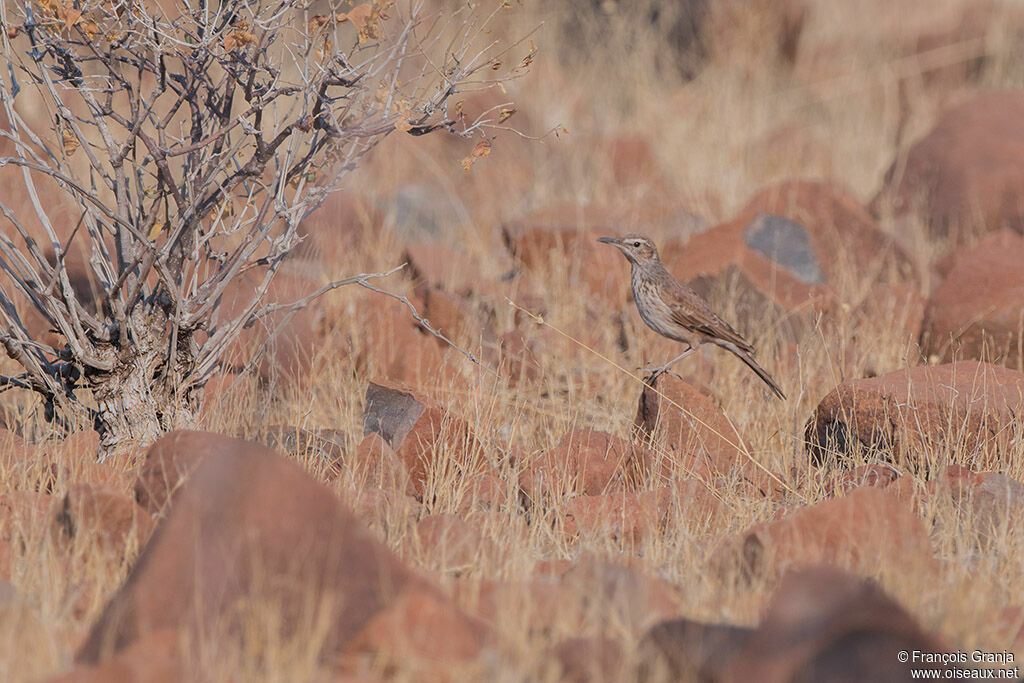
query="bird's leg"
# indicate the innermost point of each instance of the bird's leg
(663, 369)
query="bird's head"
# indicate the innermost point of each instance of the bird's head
(637, 248)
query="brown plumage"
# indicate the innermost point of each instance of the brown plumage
(675, 311)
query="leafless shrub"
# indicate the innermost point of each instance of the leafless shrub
(189, 140)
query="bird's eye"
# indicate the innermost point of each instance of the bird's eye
(636, 244)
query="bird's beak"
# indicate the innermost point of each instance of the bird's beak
(608, 240)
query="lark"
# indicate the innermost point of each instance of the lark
(675, 311)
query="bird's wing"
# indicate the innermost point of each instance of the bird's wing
(690, 310)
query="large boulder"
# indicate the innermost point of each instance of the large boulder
(967, 174)
(825, 625)
(154, 658)
(778, 254)
(821, 625)
(868, 530)
(249, 536)
(967, 410)
(978, 310)
(170, 461)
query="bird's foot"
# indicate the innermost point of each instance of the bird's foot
(656, 371)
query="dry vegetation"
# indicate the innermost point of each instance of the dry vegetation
(850, 103)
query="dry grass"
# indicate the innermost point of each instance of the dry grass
(850, 104)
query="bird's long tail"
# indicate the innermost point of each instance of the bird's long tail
(752, 364)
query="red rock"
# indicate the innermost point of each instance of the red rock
(780, 247)
(281, 349)
(386, 342)
(631, 518)
(825, 625)
(378, 465)
(80, 445)
(383, 508)
(529, 306)
(908, 413)
(321, 450)
(869, 530)
(545, 245)
(552, 567)
(449, 315)
(24, 465)
(683, 649)
(966, 175)
(420, 431)
(989, 501)
(423, 631)
(624, 517)
(626, 594)
(583, 660)
(443, 268)
(13, 450)
(538, 602)
(694, 437)
(584, 461)
(224, 394)
(23, 514)
(170, 461)
(101, 512)
(1010, 628)
(250, 527)
(978, 310)
(445, 543)
(337, 226)
(74, 458)
(6, 560)
(487, 491)
(153, 658)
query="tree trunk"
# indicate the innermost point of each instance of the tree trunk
(141, 399)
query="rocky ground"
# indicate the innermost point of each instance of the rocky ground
(842, 181)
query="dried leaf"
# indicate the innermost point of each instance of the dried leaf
(12, 32)
(402, 125)
(71, 17)
(70, 141)
(362, 17)
(495, 64)
(325, 49)
(90, 28)
(318, 22)
(528, 59)
(239, 37)
(506, 114)
(482, 149)
(155, 230)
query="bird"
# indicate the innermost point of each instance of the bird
(676, 311)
